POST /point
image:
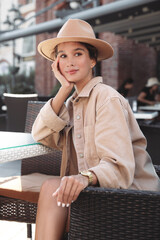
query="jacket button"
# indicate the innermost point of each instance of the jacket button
(81, 155)
(78, 117)
(78, 135)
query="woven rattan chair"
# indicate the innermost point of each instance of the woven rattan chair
(116, 214)
(98, 213)
(18, 209)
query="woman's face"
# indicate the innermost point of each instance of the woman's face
(75, 63)
(155, 87)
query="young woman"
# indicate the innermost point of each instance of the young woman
(95, 128)
(149, 95)
(126, 86)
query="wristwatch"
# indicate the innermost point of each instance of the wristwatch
(89, 175)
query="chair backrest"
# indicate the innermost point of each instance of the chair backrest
(32, 111)
(48, 163)
(17, 109)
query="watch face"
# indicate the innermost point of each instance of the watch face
(85, 173)
(89, 175)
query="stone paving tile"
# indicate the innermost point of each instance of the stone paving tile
(14, 231)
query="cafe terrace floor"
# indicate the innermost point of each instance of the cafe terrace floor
(14, 231)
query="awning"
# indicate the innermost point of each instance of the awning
(138, 20)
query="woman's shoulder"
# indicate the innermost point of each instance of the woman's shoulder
(145, 89)
(104, 93)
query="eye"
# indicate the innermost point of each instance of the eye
(78, 54)
(63, 56)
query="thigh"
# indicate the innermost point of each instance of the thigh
(33, 182)
(50, 185)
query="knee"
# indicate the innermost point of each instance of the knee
(49, 187)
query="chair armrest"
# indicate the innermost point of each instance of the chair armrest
(102, 214)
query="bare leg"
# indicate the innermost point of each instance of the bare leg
(51, 219)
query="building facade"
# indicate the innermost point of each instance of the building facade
(130, 60)
(17, 57)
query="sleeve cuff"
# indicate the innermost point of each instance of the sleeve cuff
(51, 120)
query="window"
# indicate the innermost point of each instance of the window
(29, 45)
(29, 1)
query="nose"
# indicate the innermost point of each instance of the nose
(70, 62)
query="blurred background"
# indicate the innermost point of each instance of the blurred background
(132, 28)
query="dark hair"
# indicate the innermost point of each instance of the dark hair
(128, 80)
(93, 53)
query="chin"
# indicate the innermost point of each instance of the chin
(71, 80)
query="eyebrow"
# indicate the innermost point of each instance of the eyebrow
(76, 49)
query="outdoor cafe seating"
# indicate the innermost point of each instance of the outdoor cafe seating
(98, 213)
(20, 206)
(148, 118)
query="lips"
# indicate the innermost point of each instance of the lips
(72, 71)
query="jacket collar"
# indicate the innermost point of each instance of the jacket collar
(87, 88)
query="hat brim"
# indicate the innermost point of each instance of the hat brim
(152, 84)
(46, 48)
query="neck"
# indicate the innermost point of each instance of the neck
(80, 85)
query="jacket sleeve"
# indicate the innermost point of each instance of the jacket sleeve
(113, 143)
(48, 127)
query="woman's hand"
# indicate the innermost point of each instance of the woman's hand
(64, 82)
(64, 91)
(151, 103)
(69, 189)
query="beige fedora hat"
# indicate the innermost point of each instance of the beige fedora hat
(75, 30)
(152, 81)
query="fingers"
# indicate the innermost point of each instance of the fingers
(77, 192)
(60, 77)
(54, 65)
(55, 194)
(73, 192)
(68, 191)
(63, 192)
(55, 68)
(60, 192)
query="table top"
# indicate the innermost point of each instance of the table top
(15, 139)
(145, 115)
(155, 107)
(16, 145)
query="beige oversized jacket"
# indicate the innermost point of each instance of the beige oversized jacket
(107, 138)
